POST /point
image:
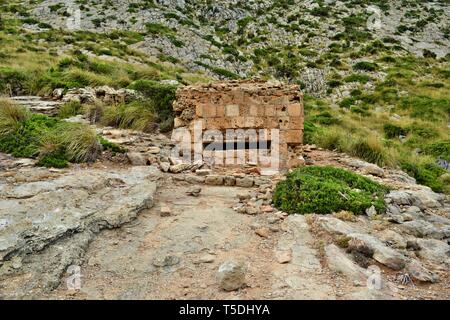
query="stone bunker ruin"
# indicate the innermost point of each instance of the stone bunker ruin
(250, 104)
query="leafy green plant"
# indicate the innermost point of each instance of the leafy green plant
(108, 145)
(365, 66)
(426, 173)
(324, 190)
(160, 96)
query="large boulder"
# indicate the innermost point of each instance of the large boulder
(433, 250)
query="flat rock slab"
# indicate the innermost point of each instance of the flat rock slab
(303, 277)
(48, 224)
(37, 105)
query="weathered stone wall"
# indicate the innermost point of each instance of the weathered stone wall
(243, 105)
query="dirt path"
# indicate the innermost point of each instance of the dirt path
(177, 257)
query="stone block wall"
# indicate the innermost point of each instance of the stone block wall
(243, 105)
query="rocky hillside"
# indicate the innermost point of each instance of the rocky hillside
(279, 38)
(375, 74)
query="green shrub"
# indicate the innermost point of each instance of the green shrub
(11, 117)
(332, 139)
(108, 145)
(12, 79)
(160, 96)
(365, 66)
(439, 149)
(324, 190)
(370, 149)
(325, 118)
(392, 131)
(426, 107)
(309, 131)
(347, 102)
(69, 109)
(53, 161)
(79, 141)
(136, 115)
(53, 141)
(426, 173)
(24, 140)
(357, 77)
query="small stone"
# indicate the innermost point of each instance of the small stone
(381, 253)
(263, 232)
(434, 250)
(166, 261)
(137, 158)
(339, 262)
(415, 269)
(207, 258)
(374, 170)
(214, 180)
(371, 212)
(177, 168)
(392, 239)
(283, 256)
(195, 179)
(231, 275)
(273, 220)
(16, 263)
(296, 162)
(251, 210)
(229, 181)
(243, 196)
(335, 226)
(267, 208)
(164, 166)
(203, 172)
(154, 150)
(194, 191)
(245, 182)
(165, 211)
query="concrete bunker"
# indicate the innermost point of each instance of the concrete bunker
(228, 114)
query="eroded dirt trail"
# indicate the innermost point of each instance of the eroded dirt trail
(177, 257)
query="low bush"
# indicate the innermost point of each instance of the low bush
(309, 131)
(371, 150)
(160, 97)
(392, 131)
(325, 118)
(136, 115)
(324, 190)
(439, 149)
(332, 139)
(14, 80)
(425, 107)
(70, 109)
(108, 145)
(357, 77)
(426, 173)
(52, 141)
(365, 66)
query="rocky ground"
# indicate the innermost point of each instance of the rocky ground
(145, 228)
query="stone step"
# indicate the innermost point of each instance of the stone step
(37, 105)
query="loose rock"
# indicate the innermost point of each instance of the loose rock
(231, 275)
